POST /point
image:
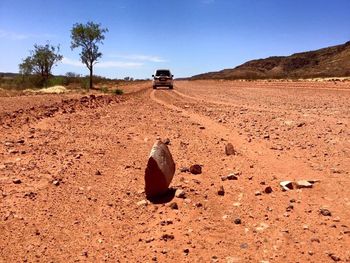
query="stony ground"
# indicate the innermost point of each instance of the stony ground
(72, 168)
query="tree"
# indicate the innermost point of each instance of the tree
(88, 37)
(41, 61)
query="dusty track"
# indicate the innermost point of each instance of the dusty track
(98, 154)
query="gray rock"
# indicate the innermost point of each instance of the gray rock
(159, 171)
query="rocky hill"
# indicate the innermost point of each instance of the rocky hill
(326, 62)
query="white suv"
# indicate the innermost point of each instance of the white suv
(163, 78)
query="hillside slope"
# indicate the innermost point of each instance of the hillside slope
(327, 62)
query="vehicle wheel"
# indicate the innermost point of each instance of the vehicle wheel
(154, 87)
(171, 87)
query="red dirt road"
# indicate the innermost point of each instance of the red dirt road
(71, 174)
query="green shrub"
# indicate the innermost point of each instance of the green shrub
(118, 92)
(56, 81)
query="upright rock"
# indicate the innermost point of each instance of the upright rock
(229, 149)
(159, 171)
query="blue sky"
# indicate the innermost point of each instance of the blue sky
(187, 36)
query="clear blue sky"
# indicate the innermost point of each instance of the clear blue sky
(187, 36)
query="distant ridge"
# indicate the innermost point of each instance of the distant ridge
(326, 62)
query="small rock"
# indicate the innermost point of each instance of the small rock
(221, 191)
(303, 184)
(237, 221)
(198, 204)
(315, 239)
(325, 212)
(56, 182)
(186, 251)
(257, 193)
(334, 257)
(290, 208)
(195, 169)
(17, 181)
(184, 169)
(98, 172)
(149, 240)
(180, 193)
(142, 203)
(243, 245)
(268, 190)
(229, 177)
(229, 150)
(166, 222)
(286, 185)
(167, 237)
(336, 219)
(167, 141)
(266, 136)
(174, 206)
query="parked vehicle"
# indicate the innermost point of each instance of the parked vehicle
(163, 78)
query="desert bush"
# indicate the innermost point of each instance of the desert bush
(118, 92)
(57, 81)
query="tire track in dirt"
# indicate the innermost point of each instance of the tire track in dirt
(223, 103)
(257, 152)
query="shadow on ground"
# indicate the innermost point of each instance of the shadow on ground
(165, 198)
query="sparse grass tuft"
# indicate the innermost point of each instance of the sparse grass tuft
(104, 89)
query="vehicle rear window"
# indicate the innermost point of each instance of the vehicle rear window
(163, 73)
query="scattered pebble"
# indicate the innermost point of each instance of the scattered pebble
(229, 177)
(166, 237)
(56, 182)
(180, 193)
(143, 203)
(221, 191)
(325, 212)
(268, 190)
(237, 221)
(195, 169)
(174, 206)
(17, 181)
(184, 169)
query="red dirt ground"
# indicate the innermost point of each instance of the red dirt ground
(72, 168)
